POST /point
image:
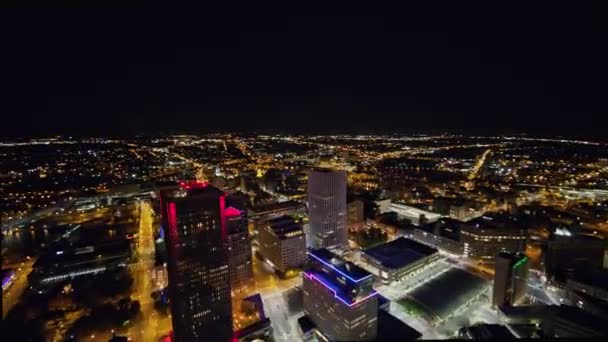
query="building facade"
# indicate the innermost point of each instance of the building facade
(282, 243)
(565, 255)
(339, 298)
(443, 235)
(510, 279)
(327, 209)
(355, 217)
(485, 238)
(239, 248)
(198, 267)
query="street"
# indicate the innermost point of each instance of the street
(284, 323)
(151, 325)
(11, 295)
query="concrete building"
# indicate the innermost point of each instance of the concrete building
(355, 217)
(239, 248)
(327, 209)
(443, 235)
(399, 259)
(282, 243)
(339, 298)
(565, 255)
(487, 236)
(510, 279)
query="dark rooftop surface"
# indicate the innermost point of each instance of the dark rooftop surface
(306, 324)
(391, 328)
(496, 221)
(337, 263)
(448, 228)
(446, 293)
(400, 252)
(325, 169)
(582, 317)
(597, 278)
(283, 225)
(489, 332)
(276, 206)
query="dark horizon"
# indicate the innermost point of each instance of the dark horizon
(469, 68)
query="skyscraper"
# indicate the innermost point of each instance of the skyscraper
(327, 209)
(339, 298)
(239, 248)
(510, 279)
(198, 267)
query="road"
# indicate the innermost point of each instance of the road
(284, 324)
(479, 164)
(151, 325)
(11, 296)
(267, 283)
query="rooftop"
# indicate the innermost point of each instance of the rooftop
(276, 206)
(488, 332)
(448, 228)
(579, 316)
(305, 324)
(496, 221)
(343, 294)
(347, 269)
(400, 252)
(517, 258)
(391, 328)
(597, 278)
(455, 288)
(284, 226)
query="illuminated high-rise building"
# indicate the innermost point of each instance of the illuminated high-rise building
(198, 267)
(327, 209)
(339, 299)
(510, 279)
(239, 248)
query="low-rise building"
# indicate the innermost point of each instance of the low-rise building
(487, 236)
(443, 235)
(399, 258)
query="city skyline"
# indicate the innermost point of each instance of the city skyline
(181, 237)
(261, 172)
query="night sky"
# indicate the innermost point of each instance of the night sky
(487, 67)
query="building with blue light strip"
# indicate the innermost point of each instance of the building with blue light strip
(339, 298)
